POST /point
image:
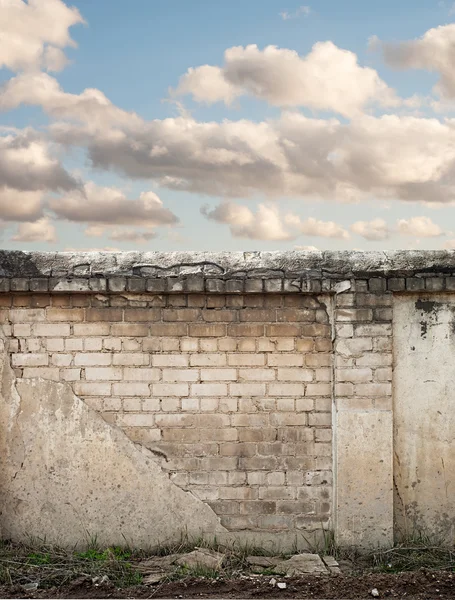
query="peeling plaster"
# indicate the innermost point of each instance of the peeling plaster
(67, 475)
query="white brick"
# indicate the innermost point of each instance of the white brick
(93, 359)
(286, 389)
(131, 404)
(246, 345)
(70, 374)
(151, 404)
(190, 404)
(170, 404)
(42, 372)
(285, 404)
(55, 344)
(256, 374)
(218, 374)
(170, 389)
(208, 360)
(61, 360)
(189, 345)
(51, 330)
(208, 345)
(285, 360)
(141, 374)
(34, 344)
(246, 360)
(209, 404)
(131, 345)
(112, 404)
(83, 388)
(319, 389)
(132, 359)
(84, 329)
(208, 389)
(93, 344)
(285, 344)
(73, 344)
(227, 345)
(180, 375)
(113, 343)
(295, 375)
(170, 344)
(22, 329)
(130, 389)
(103, 374)
(169, 360)
(247, 389)
(30, 360)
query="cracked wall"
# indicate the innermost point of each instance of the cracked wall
(231, 394)
(424, 417)
(260, 385)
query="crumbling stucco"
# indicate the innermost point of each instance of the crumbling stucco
(70, 477)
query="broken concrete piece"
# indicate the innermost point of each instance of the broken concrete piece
(154, 578)
(157, 563)
(302, 564)
(65, 471)
(266, 562)
(201, 557)
(332, 565)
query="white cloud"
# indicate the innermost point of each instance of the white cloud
(390, 157)
(419, 227)
(109, 206)
(328, 78)
(33, 33)
(304, 11)
(307, 248)
(375, 230)
(39, 231)
(120, 234)
(268, 224)
(434, 51)
(313, 227)
(91, 106)
(27, 164)
(132, 235)
(20, 205)
(207, 84)
(265, 224)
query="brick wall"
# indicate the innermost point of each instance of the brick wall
(233, 393)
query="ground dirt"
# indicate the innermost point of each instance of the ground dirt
(420, 584)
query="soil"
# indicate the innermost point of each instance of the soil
(423, 584)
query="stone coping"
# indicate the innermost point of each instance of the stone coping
(226, 272)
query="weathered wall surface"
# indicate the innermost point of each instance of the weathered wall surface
(68, 477)
(424, 415)
(232, 394)
(280, 394)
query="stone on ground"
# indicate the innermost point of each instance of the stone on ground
(201, 557)
(265, 562)
(302, 564)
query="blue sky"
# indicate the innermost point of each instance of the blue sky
(351, 191)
